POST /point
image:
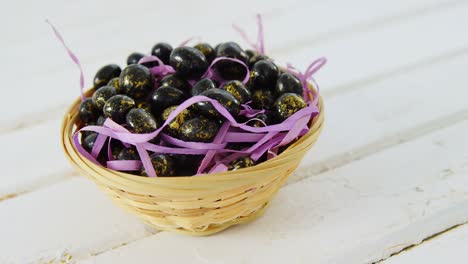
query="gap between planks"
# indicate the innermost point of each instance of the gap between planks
(37, 118)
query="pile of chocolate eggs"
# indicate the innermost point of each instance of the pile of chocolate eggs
(139, 101)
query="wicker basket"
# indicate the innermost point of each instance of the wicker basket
(200, 205)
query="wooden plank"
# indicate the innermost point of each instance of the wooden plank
(359, 213)
(71, 216)
(448, 246)
(61, 76)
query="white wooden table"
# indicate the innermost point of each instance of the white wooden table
(389, 171)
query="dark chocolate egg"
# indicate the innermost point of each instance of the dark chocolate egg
(172, 129)
(88, 112)
(262, 99)
(136, 81)
(128, 154)
(257, 57)
(202, 85)
(117, 107)
(85, 133)
(224, 98)
(260, 120)
(141, 122)
(143, 104)
(240, 163)
(114, 82)
(231, 70)
(207, 50)
(116, 147)
(188, 62)
(250, 53)
(100, 121)
(163, 165)
(238, 89)
(105, 74)
(103, 94)
(176, 82)
(198, 129)
(264, 75)
(88, 141)
(186, 165)
(134, 58)
(288, 104)
(162, 50)
(288, 83)
(164, 97)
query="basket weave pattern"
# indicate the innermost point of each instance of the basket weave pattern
(199, 205)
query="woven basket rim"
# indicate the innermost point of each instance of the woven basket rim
(78, 160)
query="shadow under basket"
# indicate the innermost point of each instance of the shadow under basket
(196, 205)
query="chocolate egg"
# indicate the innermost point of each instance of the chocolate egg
(164, 97)
(176, 82)
(136, 81)
(231, 70)
(186, 165)
(262, 99)
(198, 129)
(202, 85)
(88, 112)
(264, 74)
(288, 83)
(141, 122)
(257, 57)
(288, 104)
(114, 82)
(100, 121)
(250, 53)
(128, 154)
(188, 62)
(238, 89)
(162, 50)
(163, 165)
(134, 58)
(224, 98)
(240, 163)
(117, 107)
(143, 104)
(103, 94)
(172, 129)
(88, 141)
(207, 50)
(85, 133)
(105, 74)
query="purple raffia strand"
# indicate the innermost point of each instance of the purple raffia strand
(249, 111)
(259, 46)
(185, 42)
(124, 165)
(72, 56)
(210, 154)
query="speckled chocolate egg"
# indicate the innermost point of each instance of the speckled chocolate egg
(264, 74)
(186, 165)
(261, 120)
(203, 85)
(240, 163)
(162, 50)
(250, 53)
(288, 83)
(262, 99)
(128, 154)
(114, 82)
(117, 107)
(103, 94)
(231, 70)
(238, 89)
(207, 50)
(198, 129)
(224, 98)
(100, 121)
(288, 104)
(88, 112)
(163, 165)
(134, 58)
(136, 81)
(141, 122)
(164, 97)
(172, 129)
(143, 104)
(176, 82)
(88, 141)
(188, 62)
(105, 74)
(257, 57)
